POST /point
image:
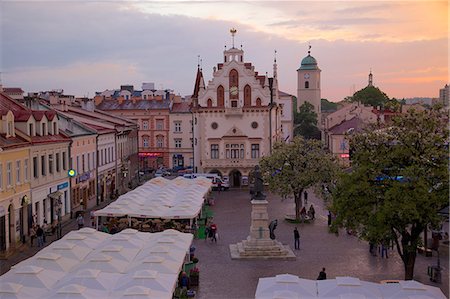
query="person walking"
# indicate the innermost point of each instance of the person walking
(305, 196)
(329, 218)
(322, 275)
(214, 233)
(40, 236)
(312, 212)
(32, 234)
(296, 239)
(80, 221)
(384, 250)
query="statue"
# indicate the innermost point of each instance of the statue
(258, 185)
(272, 227)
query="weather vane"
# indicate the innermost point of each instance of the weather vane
(233, 32)
(309, 48)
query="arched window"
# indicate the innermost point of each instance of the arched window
(209, 103)
(220, 96)
(145, 141)
(306, 84)
(159, 141)
(258, 102)
(234, 82)
(247, 96)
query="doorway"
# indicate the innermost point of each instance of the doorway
(235, 178)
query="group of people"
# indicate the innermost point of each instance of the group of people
(381, 249)
(311, 213)
(38, 232)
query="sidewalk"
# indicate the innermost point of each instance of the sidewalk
(27, 250)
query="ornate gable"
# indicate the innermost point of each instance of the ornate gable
(234, 132)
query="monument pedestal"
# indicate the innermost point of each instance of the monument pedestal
(258, 244)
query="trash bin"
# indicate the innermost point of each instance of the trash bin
(434, 272)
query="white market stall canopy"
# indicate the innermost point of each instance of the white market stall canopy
(126, 264)
(290, 286)
(179, 198)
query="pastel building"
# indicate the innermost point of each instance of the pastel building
(236, 117)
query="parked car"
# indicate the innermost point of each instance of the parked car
(159, 173)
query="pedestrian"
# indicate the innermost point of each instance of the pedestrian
(80, 221)
(214, 233)
(296, 239)
(184, 281)
(329, 218)
(384, 250)
(40, 236)
(206, 233)
(322, 275)
(32, 234)
(45, 229)
(312, 212)
(219, 186)
(305, 196)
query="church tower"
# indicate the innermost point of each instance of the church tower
(308, 84)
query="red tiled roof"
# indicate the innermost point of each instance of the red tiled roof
(183, 107)
(7, 103)
(38, 115)
(12, 142)
(49, 139)
(13, 90)
(356, 123)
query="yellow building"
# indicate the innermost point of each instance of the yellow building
(15, 194)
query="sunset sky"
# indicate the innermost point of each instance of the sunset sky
(88, 46)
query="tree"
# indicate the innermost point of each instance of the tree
(305, 122)
(398, 184)
(328, 106)
(369, 95)
(296, 166)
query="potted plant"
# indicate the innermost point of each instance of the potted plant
(194, 276)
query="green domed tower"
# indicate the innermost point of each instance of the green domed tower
(308, 84)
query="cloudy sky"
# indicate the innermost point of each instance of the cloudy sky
(87, 46)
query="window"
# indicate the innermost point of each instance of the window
(9, 174)
(178, 143)
(10, 128)
(83, 163)
(57, 162)
(93, 160)
(145, 125)
(89, 161)
(209, 103)
(159, 141)
(64, 161)
(220, 97)
(234, 104)
(55, 129)
(1, 176)
(159, 124)
(306, 84)
(25, 170)
(44, 129)
(214, 151)
(255, 151)
(31, 130)
(247, 96)
(35, 167)
(145, 141)
(234, 82)
(43, 167)
(177, 126)
(258, 102)
(50, 163)
(236, 151)
(78, 164)
(18, 166)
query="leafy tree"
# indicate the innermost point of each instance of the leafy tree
(398, 183)
(296, 166)
(369, 95)
(328, 106)
(306, 122)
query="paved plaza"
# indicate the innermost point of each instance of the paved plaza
(222, 277)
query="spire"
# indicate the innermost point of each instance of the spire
(275, 64)
(266, 81)
(198, 82)
(309, 49)
(233, 32)
(370, 78)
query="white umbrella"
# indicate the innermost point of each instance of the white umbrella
(91, 279)
(284, 285)
(348, 287)
(10, 290)
(75, 291)
(410, 289)
(32, 276)
(51, 261)
(69, 250)
(156, 263)
(104, 263)
(141, 292)
(153, 280)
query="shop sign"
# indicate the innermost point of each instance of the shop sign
(84, 177)
(62, 186)
(150, 154)
(345, 155)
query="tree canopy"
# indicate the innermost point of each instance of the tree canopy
(398, 183)
(369, 95)
(328, 106)
(305, 122)
(295, 166)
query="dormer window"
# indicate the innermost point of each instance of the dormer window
(44, 129)
(55, 128)
(31, 129)
(10, 128)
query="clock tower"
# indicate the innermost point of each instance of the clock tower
(308, 84)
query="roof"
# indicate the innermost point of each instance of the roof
(356, 123)
(309, 63)
(183, 107)
(13, 90)
(129, 105)
(12, 142)
(284, 94)
(198, 80)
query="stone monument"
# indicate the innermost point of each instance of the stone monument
(259, 244)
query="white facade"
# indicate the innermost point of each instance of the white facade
(236, 118)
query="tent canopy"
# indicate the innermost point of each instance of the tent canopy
(179, 198)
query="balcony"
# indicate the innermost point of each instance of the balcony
(229, 163)
(234, 111)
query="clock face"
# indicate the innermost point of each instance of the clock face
(306, 76)
(233, 90)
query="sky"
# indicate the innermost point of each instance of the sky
(88, 46)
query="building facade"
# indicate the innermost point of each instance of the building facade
(180, 135)
(308, 84)
(236, 118)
